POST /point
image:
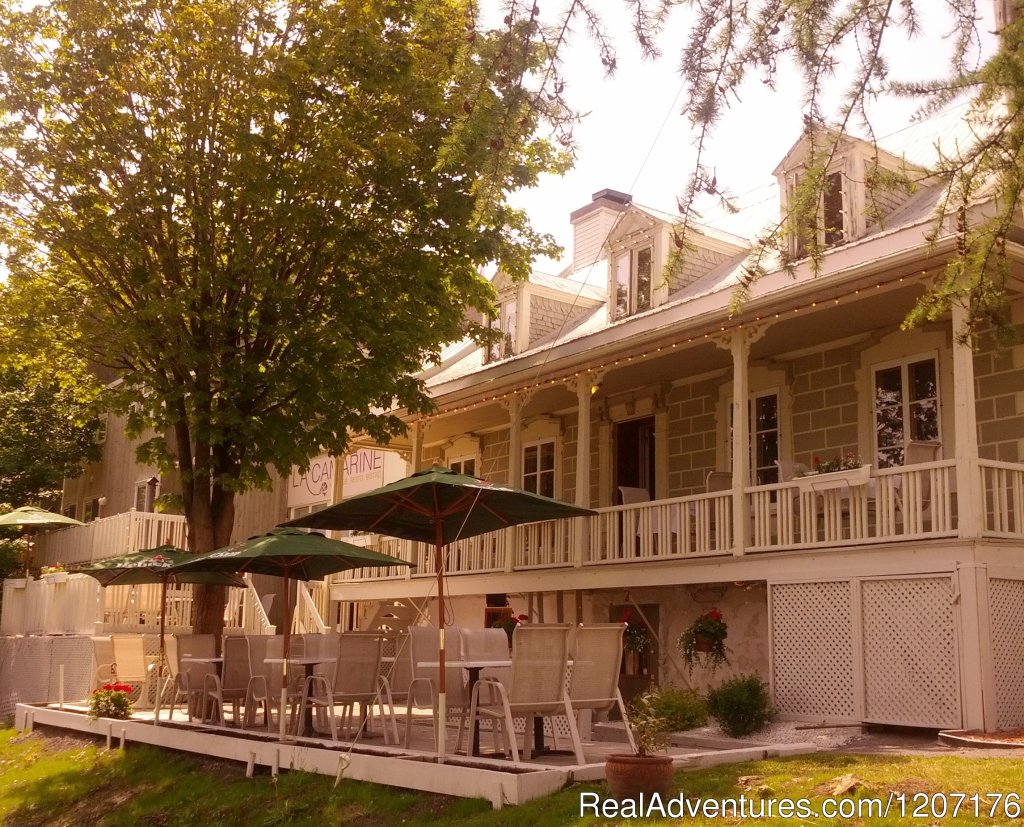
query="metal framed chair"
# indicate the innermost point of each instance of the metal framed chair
(351, 680)
(423, 647)
(596, 652)
(232, 685)
(103, 660)
(188, 679)
(131, 666)
(536, 687)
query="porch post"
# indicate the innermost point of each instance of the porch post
(416, 455)
(968, 475)
(582, 385)
(514, 406)
(740, 347)
(977, 670)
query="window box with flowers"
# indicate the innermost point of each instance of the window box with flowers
(509, 623)
(703, 642)
(54, 574)
(848, 462)
(112, 700)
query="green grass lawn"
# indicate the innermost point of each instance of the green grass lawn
(52, 778)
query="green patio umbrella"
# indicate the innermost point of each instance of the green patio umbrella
(291, 554)
(29, 518)
(439, 506)
(155, 565)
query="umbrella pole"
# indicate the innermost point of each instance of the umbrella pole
(442, 700)
(284, 664)
(163, 656)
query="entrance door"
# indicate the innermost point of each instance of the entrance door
(634, 455)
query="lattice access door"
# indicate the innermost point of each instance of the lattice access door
(813, 666)
(909, 651)
(879, 650)
(1006, 607)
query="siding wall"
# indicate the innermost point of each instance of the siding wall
(824, 398)
(691, 436)
(999, 378)
(113, 477)
(548, 316)
(692, 265)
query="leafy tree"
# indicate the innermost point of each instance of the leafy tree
(264, 215)
(840, 51)
(47, 432)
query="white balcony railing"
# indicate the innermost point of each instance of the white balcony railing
(110, 537)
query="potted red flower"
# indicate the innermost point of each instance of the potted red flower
(704, 641)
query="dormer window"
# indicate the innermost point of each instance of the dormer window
(633, 282)
(505, 323)
(831, 227)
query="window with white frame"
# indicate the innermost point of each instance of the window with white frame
(633, 272)
(463, 465)
(830, 226)
(763, 427)
(146, 492)
(906, 406)
(505, 324)
(539, 467)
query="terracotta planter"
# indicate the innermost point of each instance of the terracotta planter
(703, 644)
(629, 776)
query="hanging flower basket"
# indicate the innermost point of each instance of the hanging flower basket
(703, 642)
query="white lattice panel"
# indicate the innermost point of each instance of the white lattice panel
(911, 674)
(30, 670)
(812, 649)
(1006, 619)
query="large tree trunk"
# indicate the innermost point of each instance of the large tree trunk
(210, 601)
(210, 516)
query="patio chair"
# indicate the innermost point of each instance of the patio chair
(423, 647)
(188, 678)
(916, 491)
(487, 644)
(632, 496)
(268, 691)
(103, 660)
(596, 652)
(232, 685)
(536, 686)
(263, 692)
(131, 666)
(350, 680)
(394, 682)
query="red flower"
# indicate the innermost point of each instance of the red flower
(108, 686)
(714, 614)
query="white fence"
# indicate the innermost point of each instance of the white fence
(79, 605)
(33, 607)
(109, 537)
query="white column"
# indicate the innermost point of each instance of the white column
(965, 426)
(977, 669)
(582, 385)
(740, 348)
(514, 406)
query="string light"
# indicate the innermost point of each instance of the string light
(628, 358)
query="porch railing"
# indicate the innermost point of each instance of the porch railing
(109, 537)
(1002, 486)
(890, 504)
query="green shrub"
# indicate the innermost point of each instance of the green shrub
(680, 708)
(741, 705)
